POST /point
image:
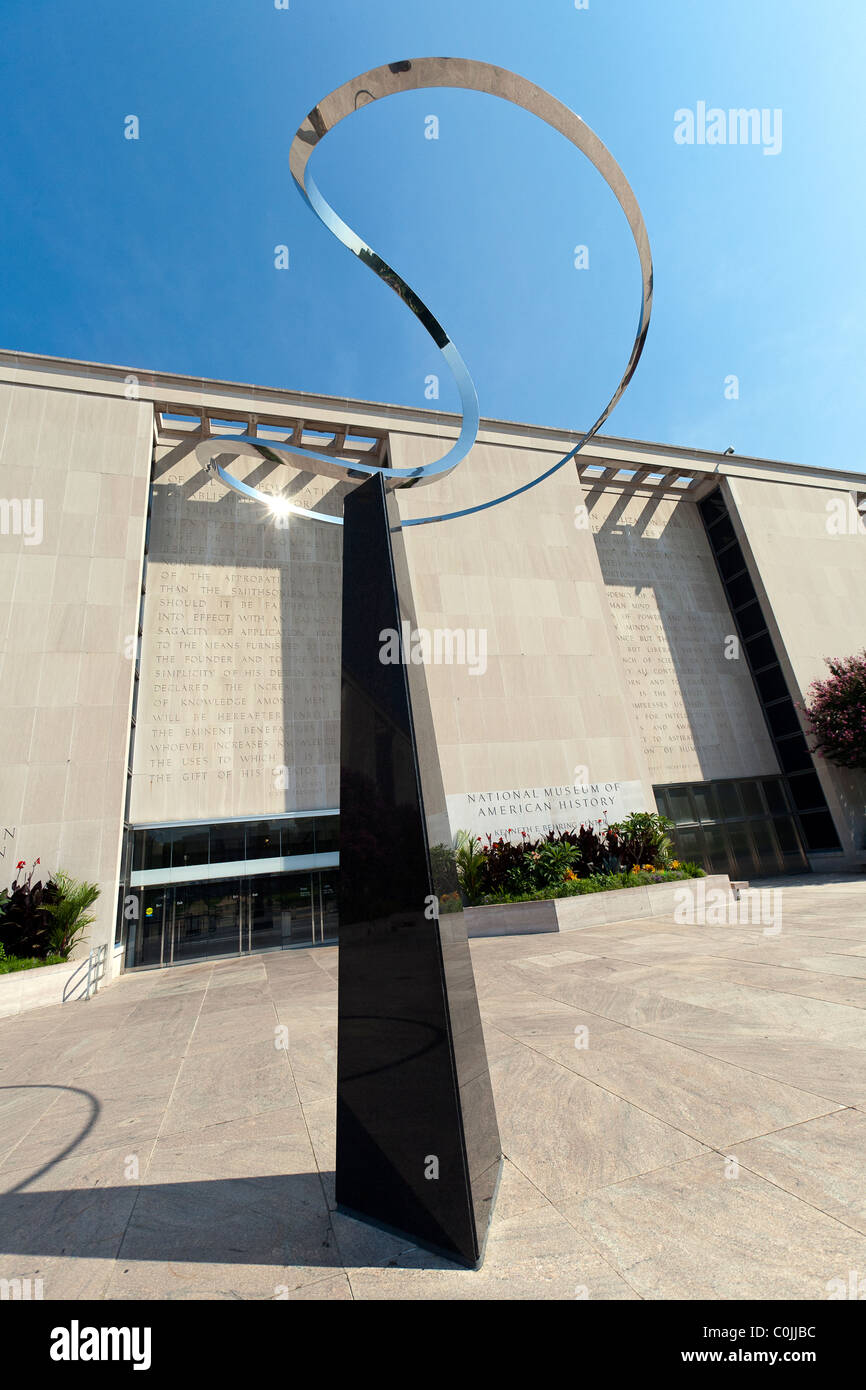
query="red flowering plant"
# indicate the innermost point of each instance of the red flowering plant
(837, 712)
(25, 922)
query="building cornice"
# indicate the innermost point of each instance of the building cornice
(199, 398)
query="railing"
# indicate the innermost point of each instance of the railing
(95, 969)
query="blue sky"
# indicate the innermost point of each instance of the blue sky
(159, 253)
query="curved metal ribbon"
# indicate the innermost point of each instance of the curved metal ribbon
(381, 82)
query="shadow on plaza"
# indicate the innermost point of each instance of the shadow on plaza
(279, 1219)
(276, 1220)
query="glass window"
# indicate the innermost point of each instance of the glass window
(713, 508)
(782, 718)
(786, 834)
(716, 844)
(761, 652)
(740, 590)
(729, 800)
(661, 797)
(753, 802)
(793, 754)
(731, 562)
(765, 846)
(771, 684)
(191, 846)
(751, 619)
(689, 846)
(819, 830)
(327, 834)
(806, 791)
(298, 836)
(723, 532)
(705, 803)
(155, 848)
(262, 839)
(682, 809)
(226, 842)
(138, 848)
(774, 793)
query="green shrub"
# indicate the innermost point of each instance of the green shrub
(643, 838)
(504, 870)
(470, 864)
(9, 964)
(69, 913)
(597, 883)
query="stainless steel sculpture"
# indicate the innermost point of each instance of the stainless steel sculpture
(406, 76)
(418, 1146)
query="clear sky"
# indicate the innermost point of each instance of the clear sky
(159, 252)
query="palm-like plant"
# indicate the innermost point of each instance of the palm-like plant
(470, 864)
(70, 915)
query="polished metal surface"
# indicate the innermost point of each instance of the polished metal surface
(411, 75)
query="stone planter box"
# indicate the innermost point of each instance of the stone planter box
(584, 910)
(46, 984)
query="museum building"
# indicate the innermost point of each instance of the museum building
(639, 631)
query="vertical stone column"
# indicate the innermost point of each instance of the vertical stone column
(418, 1146)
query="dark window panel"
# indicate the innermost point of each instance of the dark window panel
(139, 849)
(682, 808)
(806, 792)
(761, 652)
(262, 839)
(713, 508)
(729, 800)
(157, 848)
(327, 834)
(771, 684)
(662, 802)
(782, 718)
(774, 793)
(227, 842)
(793, 754)
(786, 833)
(751, 620)
(297, 836)
(819, 831)
(753, 801)
(706, 803)
(723, 533)
(191, 846)
(740, 590)
(731, 562)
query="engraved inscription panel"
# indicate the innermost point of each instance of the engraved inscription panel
(691, 690)
(238, 709)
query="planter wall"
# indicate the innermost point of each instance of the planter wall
(584, 910)
(45, 985)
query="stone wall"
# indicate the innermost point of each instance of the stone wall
(68, 617)
(807, 553)
(239, 699)
(696, 706)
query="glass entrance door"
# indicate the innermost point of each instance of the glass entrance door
(206, 920)
(224, 917)
(281, 911)
(329, 918)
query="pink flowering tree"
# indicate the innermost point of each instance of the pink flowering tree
(836, 711)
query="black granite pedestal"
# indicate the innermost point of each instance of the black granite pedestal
(418, 1147)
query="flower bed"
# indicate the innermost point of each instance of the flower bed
(636, 878)
(587, 909)
(599, 858)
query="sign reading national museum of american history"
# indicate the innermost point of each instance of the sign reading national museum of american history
(535, 810)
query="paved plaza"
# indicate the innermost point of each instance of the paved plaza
(682, 1110)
